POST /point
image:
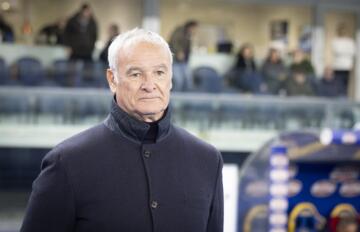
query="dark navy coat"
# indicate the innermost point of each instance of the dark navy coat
(106, 179)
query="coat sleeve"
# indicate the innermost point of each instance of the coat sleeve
(68, 32)
(216, 219)
(51, 205)
(94, 31)
(177, 42)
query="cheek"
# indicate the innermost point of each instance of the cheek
(165, 88)
(166, 91)
(168, 84)
(126, 91)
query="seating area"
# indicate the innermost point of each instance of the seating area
(29, 71)
(208, 80)
(205, 77)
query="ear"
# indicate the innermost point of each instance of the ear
(111, 80)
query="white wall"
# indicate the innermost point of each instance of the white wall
(243, 22)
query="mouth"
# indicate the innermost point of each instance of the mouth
(148, 98)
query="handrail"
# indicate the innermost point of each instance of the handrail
(182, 96)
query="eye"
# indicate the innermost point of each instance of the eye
(135, 75)
(160, 72)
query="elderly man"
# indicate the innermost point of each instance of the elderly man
(135, 171)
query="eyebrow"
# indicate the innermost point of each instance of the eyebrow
(132, 69)
(161, 66)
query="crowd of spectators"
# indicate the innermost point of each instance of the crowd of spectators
(276, 77)
(294, 76)
(272, 75)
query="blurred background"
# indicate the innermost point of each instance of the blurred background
(256, 78)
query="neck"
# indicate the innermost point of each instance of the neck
(148, 118)
(136, 128)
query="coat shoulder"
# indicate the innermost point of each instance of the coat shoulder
(81, 143)
(195, 144)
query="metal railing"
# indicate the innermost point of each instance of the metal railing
(204, 114)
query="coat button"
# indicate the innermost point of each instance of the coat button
(154, 204)
(147, 154)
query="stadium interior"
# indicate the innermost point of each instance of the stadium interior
(282, 171)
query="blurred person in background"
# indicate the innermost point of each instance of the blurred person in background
(180, 44)
(274, 72)
(6, 32)
(300, 61)
(113, 31)
(245, 59)
(135, 171)
(298, 84)
(52, 34)
(329, 86)
(245, 75)
(81, 34)
(343, 48)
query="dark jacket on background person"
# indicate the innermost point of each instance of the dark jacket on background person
(295, 89)
(274, 75)
(305, 66)
(6, 32)
(80, 37)
(104, 53)
(330, 88)
(245, 65)
(244, 75)
(180, 41)
(111, 178)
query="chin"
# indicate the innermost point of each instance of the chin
(150, 111)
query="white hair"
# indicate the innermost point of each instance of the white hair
(134, 36)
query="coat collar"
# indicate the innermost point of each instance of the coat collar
(122, 123)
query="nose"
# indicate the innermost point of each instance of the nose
(148, 84)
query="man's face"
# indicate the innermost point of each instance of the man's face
(144, 81)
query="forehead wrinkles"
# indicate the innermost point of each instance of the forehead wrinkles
(132, 56)
(148, 68)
